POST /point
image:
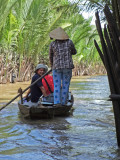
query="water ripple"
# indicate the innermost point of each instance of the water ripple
(88, 134)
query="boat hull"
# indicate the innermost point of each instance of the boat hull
(42, 112)
(45, 109)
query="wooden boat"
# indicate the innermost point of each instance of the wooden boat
(45, 109)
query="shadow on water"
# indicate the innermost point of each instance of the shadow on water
(89, 134)
(32, 139)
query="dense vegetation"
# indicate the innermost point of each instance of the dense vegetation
(24, 36)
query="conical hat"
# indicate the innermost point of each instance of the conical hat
(59, 34)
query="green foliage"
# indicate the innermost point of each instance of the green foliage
(91, 6)
(25, 27)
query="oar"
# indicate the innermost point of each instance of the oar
(25, 89)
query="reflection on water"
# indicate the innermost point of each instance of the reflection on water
(87, 135)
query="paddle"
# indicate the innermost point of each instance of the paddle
(25, 89)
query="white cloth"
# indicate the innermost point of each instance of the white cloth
(30, 104)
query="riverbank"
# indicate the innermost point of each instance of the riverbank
(26, 75)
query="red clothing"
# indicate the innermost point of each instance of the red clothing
(49, 80)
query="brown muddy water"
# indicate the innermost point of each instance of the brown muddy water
(88, 134)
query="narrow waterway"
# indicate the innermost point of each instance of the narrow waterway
(88, 134)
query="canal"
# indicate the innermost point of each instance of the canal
(88, 134)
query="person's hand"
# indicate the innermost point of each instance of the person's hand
(25, 96)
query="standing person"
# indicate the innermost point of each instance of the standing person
(37, 90)
(60, 55)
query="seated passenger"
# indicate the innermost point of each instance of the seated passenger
(48, 84)
(37, 90)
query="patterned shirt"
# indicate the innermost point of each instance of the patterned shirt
(60, 54)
